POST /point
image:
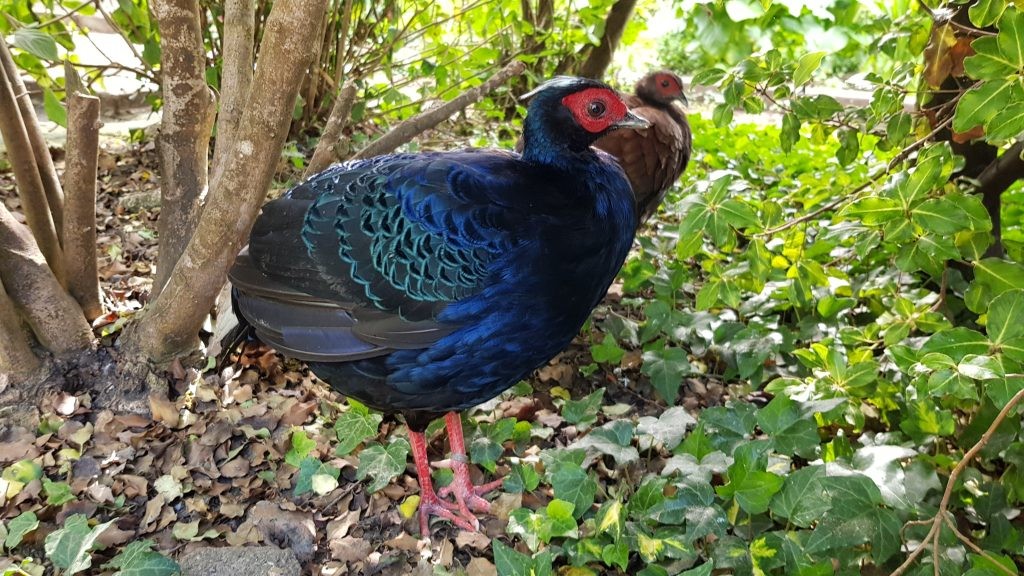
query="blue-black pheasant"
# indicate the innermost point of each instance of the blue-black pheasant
(428, 283)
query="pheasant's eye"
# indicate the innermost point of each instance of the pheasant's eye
(665, 83)
(596, 109)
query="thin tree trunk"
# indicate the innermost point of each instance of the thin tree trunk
(601, 55)
(327, 149)
(44, 162)
(54, 316)
(236, 73)
(26, 175)
(408, 129)
(16, 356)
(185, 128)
(80, 211)
(168, 326)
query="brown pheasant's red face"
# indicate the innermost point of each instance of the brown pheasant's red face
(596, 109)
(668, 86)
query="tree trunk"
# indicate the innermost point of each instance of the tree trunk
(168, 326)
(26, 174)
(326, 149)
(185, 128)
(54, 316)
(16, 356)
(80, 210)
(601, 55)
(236, 73)
(41, 152)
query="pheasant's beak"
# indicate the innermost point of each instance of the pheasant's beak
(682, 98)
(631, 120)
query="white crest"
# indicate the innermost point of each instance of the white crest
(556, 82)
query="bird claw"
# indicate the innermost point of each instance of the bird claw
(467, 495)
(431, 505)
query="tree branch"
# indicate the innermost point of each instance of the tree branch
(80, 184)
(40, 150)
(26, 173)
(236, 75)
(326, 149)
(54, 316)
(168, 326)
(184, 129)
(409, 129)
(600, 56)
(16, 356)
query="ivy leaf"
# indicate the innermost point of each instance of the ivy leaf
(18, 527)
(803, 499)
(69, 547)
(57, 493)
(301, 446)
(613, 439)
(666, 368)
(36, 42)
(751, 489)
(138, 559)
(584, 410)
(353, 427)
(667, 429)
(382, 463)
(791, 433)
(572, 484)
(316, 476)
(608, 351)
(956, 343)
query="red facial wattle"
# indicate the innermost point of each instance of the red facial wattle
(579, 104)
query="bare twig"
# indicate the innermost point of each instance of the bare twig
(40, 150)
(80, 214)
(120, 32)
(409, 129)
(325, 152)
(26, 173)
(932, 538)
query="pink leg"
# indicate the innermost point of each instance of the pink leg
(467, 496)
(430, 504)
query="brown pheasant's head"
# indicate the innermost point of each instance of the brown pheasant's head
(661, 87)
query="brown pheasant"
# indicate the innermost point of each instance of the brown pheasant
(653, 158)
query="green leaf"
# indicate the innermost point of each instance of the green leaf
(803, 499)
(511, 563)
(998, 276)
(667, 429)
(583, 410)
(1007, 123)
(36, 42)
(572, 484)
(898, 127)
(806, 66)
(138, 559)
(986, 12)
(301, 446)
(383, 463)
(18, 527)
(979, 105)
(749, 485)
(988, 61)
(316, 476)
(981, 367)
(940, 216)
(1001, 391)
(54, 108)
(874, 211)
(69, 547)
(353, 428)
(956, 343)
(613, 439)
(666, 368)
(608, 351)
(57, 493)
(790, 133)
(790, 432)
(1011, 37)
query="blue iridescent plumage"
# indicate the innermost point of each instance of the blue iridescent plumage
(428, 283)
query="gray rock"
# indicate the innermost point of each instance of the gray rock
(240, 561)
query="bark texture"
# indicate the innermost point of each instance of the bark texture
(407, 130)
(26, 175)
(236, 75)
(185, 128)
(16, 356)
(41, 152)
(80, 210)
(327, 149)
(601, 55)
(54, 316)
(169, 324)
